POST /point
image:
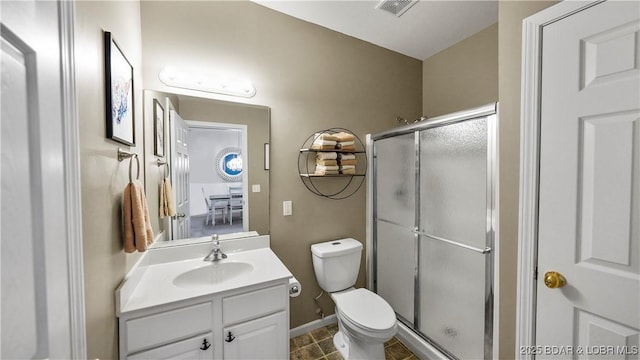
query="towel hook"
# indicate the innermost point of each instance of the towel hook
(123, 154)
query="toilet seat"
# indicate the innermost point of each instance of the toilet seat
(364, 310)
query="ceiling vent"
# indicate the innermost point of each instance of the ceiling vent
(396, 7)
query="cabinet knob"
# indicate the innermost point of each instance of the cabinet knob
(230, 337)
(205, 344)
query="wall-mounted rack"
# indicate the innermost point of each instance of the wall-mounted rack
(342, 185)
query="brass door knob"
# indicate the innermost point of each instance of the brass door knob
(554, 280)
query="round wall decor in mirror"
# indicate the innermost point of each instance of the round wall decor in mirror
(229, 164)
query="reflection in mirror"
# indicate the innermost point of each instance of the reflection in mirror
(218, 199)
(215, 150)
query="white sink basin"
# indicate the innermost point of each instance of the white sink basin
(213, 273)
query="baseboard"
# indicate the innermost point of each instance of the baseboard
(310, 326)
(417, 345)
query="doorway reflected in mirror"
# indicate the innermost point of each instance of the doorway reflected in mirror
(216, 174)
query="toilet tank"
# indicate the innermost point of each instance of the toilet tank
(336, 263)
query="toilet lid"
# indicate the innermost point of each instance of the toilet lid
(366, 309)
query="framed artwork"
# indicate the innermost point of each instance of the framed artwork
(158, 128)
(119, 93)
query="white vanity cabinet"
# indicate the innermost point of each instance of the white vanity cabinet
(248, 323)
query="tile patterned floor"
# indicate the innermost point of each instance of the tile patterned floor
(318, 345)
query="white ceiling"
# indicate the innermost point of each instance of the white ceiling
(425, 29)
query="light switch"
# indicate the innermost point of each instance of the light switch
(255, 188)
(287, 208)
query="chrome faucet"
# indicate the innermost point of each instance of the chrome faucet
(215, 254)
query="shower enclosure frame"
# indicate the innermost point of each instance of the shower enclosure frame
(417, 341)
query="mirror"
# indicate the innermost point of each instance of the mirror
(223, 187)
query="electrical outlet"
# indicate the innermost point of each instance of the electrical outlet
(255, 188)
(287, 208)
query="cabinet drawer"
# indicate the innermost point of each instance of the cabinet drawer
(192, 348)
(254, 304)
(165, 327)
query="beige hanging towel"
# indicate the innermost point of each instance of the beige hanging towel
(138, 234)
(167, 205)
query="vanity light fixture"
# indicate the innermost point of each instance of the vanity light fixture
(206, 81)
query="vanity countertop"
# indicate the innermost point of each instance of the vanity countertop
(154, 284)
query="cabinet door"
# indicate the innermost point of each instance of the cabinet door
(191, 349)
(263, 338)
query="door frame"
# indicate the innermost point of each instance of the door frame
(196, 124)
(72, 182)
(530, 166)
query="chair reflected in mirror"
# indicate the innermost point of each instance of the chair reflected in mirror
(235, 202)
(213, 207)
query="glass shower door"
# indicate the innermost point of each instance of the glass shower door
(454, 244)
(394, 222)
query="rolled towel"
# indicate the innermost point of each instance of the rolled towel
(326, 136)
(326, 162)
(327, 172)
(344, 136)
(323, 144)
(327, 155)
(327, 167)
(343, 167)
(347, 162)
(348, 171)
(346, 147)
(346, 156)
(322, 147)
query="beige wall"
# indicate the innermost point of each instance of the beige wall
(311, 78)
(510, 16)
(103, 177)
(462, 76)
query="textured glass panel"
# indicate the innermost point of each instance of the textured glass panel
(452, 288)
(453, 182)
(395, 171)
(395, 267)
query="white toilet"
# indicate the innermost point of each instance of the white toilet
(365, 320)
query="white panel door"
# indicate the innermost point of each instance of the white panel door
(589, 215)
(181, 223)
(36, 269)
